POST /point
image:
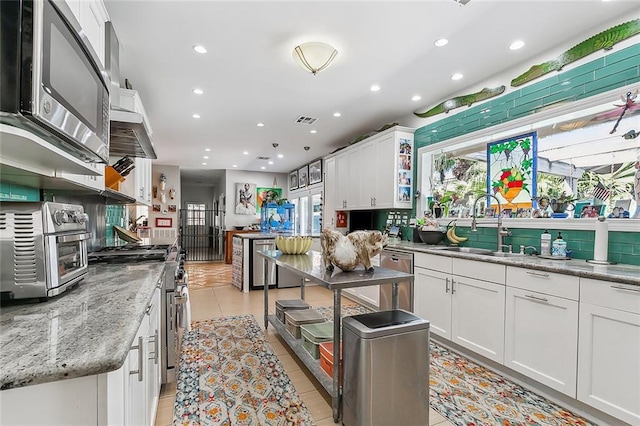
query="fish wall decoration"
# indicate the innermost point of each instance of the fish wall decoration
(604, 40)
(463, 100)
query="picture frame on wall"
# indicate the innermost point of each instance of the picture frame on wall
(303, 176)
(315, 172)
(293, 180)
(164, 222)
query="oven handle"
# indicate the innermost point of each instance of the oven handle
(74, 237)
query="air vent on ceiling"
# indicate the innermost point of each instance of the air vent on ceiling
(306, 120)
(262, 158)
(462, 2)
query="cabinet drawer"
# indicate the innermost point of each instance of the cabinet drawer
(623, 297)
(560, 285)
(480, 270)
(433, 262)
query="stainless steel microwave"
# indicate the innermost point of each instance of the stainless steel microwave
(51, 82)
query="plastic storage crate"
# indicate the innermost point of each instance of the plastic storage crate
(294, 319)
(289, 305)
(326, 358)
(314, 334)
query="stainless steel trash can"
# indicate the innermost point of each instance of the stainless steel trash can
(386, 369)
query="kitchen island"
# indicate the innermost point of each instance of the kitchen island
(311, 266)
(74, 340)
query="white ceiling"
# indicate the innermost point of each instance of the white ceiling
(249, 76)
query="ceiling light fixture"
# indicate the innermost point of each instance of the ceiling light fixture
(207, 149)
(196, 115)
(280, 156)
(314, 56)
(441, 42)
(204, 164)
(206, 157)
(234, 166)
(275, 177)
(262, 168)
(260, 124)
(375, 88)
(337, 114)
(416, 98)
(245, 152)
(198, 91)
(313, 131)
(518, 44)
(200, 49)
(456, 76)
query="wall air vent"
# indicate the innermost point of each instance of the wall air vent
(262, 158)
(462, 2)
(306, 120)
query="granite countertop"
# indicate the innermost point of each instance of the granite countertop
(86, 330)
(628, 274)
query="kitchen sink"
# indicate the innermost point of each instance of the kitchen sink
(470, 250)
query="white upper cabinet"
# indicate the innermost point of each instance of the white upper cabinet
(92, 15)
(376, 173)
(329, 198)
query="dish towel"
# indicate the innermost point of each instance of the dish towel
(184, 321)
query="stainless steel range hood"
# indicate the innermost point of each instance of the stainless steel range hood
(130, 130)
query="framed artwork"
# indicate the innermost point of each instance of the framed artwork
(315, 172)
(511, 170)
(268, 195)
(303, 176)
(577, 211)
(523, 213)
(506, 213)
(245, 198)
(592, 211)
(293, 180)
(172, 208)
(164, 222)
(490, 212)
(156, 207)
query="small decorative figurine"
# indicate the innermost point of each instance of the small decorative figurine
(348, 252)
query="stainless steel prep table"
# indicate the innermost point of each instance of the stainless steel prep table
(311, 266)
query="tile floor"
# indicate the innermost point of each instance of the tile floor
(212, 296)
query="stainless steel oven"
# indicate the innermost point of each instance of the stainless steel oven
(51, 82)
(43, 247)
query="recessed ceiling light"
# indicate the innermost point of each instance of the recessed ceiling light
(260, 124)
(196, 115)
(204, 164)
(270, 162)
(198, 91)
(206, 157)
(280, 156)
(245, 152)
(313, 131)
(441, 42)
(375, 88)
(456, 76)
(200, 49)
(416, 98)
(336, 114)
(235, 165)
(207, 149)
(516, 45)
(262, 168)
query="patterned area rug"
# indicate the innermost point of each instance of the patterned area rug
(470, 395)
(229, 375)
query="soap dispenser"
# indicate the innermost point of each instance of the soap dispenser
(559, 247)
(545, 243)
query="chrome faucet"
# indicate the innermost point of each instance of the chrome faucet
(502, 231)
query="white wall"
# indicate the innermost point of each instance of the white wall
(260, 179)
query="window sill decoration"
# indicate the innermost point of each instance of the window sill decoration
(512, 169)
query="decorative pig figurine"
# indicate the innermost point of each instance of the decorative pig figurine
(348, 252)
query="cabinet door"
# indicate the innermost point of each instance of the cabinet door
(367, 157)
(92, 17)
(153, 379)
(342, 181)
(542, 338)
(609, 361)
(136, 405)
(385, 177)
(143, 181)
(329, 196)
(477, 316)
(432, 300)
(353, 181)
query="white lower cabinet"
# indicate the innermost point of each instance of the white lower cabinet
(541, 338)
(609, 349)
(477, 316)
(467, 311)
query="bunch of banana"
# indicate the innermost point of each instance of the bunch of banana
(451, 235)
